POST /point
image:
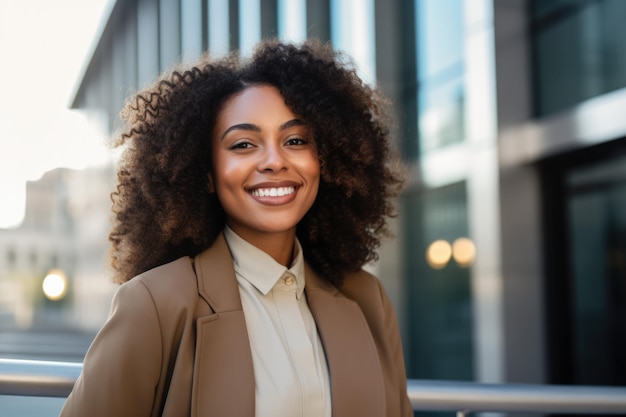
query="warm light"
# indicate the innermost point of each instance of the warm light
(54, 285)
(438, 254)
(464, 251)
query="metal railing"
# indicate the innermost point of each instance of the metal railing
(37, 378)
(481, 397)
(56, 379)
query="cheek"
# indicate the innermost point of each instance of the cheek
(314, 168)
(313, 173)
(225, 171)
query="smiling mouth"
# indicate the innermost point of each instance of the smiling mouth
(273, 192)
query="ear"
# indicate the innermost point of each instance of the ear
(211, 183)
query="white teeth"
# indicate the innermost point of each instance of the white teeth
(273, 192)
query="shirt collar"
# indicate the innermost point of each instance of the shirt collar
(259, 268)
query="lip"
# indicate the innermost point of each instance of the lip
(276, 200)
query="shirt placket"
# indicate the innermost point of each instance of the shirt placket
(300, 348)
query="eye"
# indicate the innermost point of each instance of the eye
(243, 144)
(296, 141)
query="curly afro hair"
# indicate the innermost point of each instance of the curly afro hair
(162, 207)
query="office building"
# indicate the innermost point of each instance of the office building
(510, 262)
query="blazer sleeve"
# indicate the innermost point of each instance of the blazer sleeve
(122, 366)
(395, 371)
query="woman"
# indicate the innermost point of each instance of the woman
(250, 194)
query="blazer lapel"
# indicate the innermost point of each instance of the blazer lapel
(357, 386)
(223, 382)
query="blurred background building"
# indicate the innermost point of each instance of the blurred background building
(54, 288)
(510, 262)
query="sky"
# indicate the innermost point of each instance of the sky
(44, 45)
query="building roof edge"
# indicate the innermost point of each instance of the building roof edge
(105, 21)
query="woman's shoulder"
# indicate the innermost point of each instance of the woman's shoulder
(169, 284)
(361, 279)
(180, 267)
(363, 287)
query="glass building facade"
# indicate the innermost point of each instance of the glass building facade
(440, 72)
(579, 51)
(586, 195)
(510, 251)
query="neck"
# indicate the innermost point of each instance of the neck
(278, 245)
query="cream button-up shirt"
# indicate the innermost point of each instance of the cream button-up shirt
(290, 370)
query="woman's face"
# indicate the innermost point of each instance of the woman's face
(266, 169)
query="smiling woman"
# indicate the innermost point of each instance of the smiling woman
(250, 195)
(265, 169)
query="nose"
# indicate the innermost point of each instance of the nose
(272, 159)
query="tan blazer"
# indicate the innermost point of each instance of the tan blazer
(176, 344)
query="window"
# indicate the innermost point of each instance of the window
(353, 31)
(579, 52)
(440, 64)
(586, 265)
(439, 296)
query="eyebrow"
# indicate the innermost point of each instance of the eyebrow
(291, 123)
(254, 128)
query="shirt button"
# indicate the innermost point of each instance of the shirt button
(289, 280)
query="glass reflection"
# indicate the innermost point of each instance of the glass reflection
(440, 63)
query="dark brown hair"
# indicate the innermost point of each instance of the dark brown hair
(162, 205)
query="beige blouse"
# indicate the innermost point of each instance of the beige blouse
(290, 369)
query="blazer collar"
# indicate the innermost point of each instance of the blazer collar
(223, 380)
(217, 282)
(357, 386)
